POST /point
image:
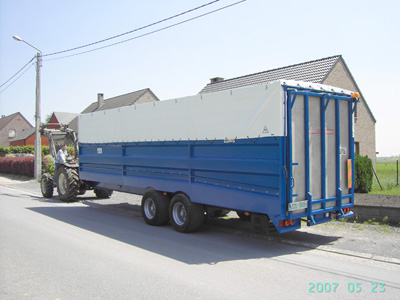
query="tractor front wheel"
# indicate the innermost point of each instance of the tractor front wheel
(46, 185)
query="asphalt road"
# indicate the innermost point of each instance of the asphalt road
(54, 250)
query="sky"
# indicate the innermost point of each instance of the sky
(250, 37)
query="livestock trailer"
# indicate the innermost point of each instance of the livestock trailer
(280, 153)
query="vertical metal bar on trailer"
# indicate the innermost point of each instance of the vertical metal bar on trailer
(290, 177)
(351, 143)
(323, 146)
(337, 125)
(307, 143)
(307, 156)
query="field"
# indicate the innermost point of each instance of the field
(387, 175)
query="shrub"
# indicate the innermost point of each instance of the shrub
(22, 149)
(45, 150)
(48, 164)
(22, 165)
(4, 151)
(6, 165)
(363, 174)
(17, 165)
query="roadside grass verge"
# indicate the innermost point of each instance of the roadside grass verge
(387, 175)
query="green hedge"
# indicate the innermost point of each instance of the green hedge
(363, 174)
(22, 149)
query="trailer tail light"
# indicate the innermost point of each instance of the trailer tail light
(286, 223)
(346, 210)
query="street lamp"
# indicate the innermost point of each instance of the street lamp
(38, 146)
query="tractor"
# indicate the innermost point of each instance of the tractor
(67, 181)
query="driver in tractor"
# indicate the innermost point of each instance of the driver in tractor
(61, 159)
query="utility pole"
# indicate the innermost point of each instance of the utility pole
(38, 145)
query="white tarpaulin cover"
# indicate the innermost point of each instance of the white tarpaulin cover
(255, 111)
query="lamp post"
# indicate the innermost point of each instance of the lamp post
(38, 146)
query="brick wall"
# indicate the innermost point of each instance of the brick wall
(30, 141)
(364, 124)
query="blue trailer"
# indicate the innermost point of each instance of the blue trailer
(279, 153)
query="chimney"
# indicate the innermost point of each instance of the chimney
(100, 100)
(216, 79)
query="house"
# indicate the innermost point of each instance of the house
(60, 118)
(27, 137)
(330, 71)
(11, 126)
(134, 98)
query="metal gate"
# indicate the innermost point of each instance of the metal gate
(320, 154)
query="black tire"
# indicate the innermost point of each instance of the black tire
(184, 215)
(46, 185)
(67, 183)
(101, 193)
(155, 208)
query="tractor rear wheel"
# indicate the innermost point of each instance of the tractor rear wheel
(67, 183)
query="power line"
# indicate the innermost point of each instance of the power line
(16, 78)
(124, 41)
(149, 33)
(134, 30)
(17, 72)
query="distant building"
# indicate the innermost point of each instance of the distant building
(134, 98)
(330, 71)
(60, 118)
(27, 138)
(11, 126)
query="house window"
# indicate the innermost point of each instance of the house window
(357, 148)
(11, 133)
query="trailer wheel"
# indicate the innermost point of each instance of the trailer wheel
(100, 193)
(155, 208)
(46, 185)
(185, 216)
(67, 183)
